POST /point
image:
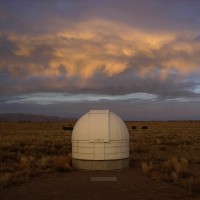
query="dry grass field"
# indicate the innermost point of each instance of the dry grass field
(28, 149)
(167, 151)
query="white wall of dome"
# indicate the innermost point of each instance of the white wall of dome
(100, 135)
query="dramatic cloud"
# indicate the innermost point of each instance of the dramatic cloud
(99, 53)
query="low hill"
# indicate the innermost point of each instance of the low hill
(15, 117)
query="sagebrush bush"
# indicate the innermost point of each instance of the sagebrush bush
(146, 167)
(5, 179)
(176, 168)
(44, 162)
(190, 183)
(62, 163)
(144, 127)
(140, 149)
(67, 128)
(174, 177)
(157, 141)
(24, 162)
(196, 184)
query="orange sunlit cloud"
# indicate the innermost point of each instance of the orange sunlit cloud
(105, 46)
(127, 55)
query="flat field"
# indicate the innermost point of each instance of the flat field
(168, 151)
(28, 149)
(162, 151)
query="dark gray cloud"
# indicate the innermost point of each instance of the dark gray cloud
(103, 48)
(34, 17)
(146, 111)
(6, 47)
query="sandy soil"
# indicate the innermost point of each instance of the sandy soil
(131, 184)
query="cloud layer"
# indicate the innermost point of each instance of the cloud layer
(103, 49)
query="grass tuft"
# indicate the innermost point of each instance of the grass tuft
(146, 167)
(62, 163)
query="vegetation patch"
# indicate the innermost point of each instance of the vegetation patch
(165, 151)
(134, 127)
(144, 127)
(67, 128)
(29, 149)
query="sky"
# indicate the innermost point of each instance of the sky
(138, 58)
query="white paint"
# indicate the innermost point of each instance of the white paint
(103, 178)
(98, 126)
(100, 135)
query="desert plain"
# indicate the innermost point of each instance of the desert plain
(35, 163)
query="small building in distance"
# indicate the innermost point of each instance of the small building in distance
(100, 141)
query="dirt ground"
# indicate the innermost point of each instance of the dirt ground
(131, 184)
(30, 150)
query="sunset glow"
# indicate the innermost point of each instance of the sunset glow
(101, 54)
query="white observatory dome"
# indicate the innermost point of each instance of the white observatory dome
(100, 140)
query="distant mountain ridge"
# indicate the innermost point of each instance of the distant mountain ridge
(15, 117)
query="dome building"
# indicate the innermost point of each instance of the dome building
(100, 141)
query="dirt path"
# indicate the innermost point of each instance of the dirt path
(131, 184)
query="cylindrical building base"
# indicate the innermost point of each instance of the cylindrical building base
(100, 164)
